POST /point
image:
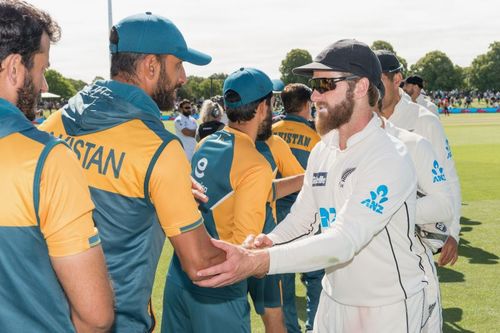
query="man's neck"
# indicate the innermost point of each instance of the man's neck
(358, 122)
(246, 127)
(388, 110)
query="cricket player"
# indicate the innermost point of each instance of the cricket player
(360, 185)
(238, 182)
(414, 118)
(413, 86)
(52, 270)
(138, 174)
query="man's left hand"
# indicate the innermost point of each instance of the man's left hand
(240, 263)
(449, 252)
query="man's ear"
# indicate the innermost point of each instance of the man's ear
(150, 67)
(398, 77)
(13, 70)
(262, 110)
(361, 88)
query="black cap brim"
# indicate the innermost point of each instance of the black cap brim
(307, 70)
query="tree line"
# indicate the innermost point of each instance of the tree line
(435, 67)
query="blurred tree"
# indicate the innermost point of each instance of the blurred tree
(438, 72)
(383, 45)
(77, 84)
(485, 69)
(58, 84)
(293, 59)
(98, 78)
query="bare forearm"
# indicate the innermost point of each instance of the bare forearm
(287, 186)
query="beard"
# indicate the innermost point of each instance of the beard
(165, 93)
(28, 97)
(334, 116)
(266, 127)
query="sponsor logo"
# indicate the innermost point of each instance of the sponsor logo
(199, 170)
(327, 216)
(438, 173)
(319, 179)
(377, 198)
(448, 150)
(347, 172)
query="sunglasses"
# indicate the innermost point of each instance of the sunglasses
(186, 108)
(324, 84)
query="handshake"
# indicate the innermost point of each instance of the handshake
(249, 259)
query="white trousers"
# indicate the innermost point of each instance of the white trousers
(435, 319)
(407, 316)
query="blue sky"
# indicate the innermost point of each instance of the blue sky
(259, 33)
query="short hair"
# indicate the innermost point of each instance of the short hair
(245, 112)
(125, 63)
(21, 28)
(184, 101)
(210, 111)
(295, 96)
(373, 92)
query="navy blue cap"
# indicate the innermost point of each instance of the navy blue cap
(251, 85)
(152, 34)
(389, 62)
(347, 55)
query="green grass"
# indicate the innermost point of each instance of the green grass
(470, 288)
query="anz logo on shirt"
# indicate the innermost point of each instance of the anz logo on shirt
(327, 216)
(377, 198)
(448, 150)
(438, 173)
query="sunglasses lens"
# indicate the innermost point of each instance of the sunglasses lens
(323, 85)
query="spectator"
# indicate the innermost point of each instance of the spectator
(210, 116)
(185, 128)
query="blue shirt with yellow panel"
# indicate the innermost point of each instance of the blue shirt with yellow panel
(46, 212)
(237, 180)
(140, 183)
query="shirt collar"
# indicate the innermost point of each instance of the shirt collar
(133, 95)
(332, 137)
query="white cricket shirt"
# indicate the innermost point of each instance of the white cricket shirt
(188, 142)
(364, 198)
(414, 118)
(437, 203)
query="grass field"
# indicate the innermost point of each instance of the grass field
(470, 288)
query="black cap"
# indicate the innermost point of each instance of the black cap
(389, 62)
(415, 79)
(347, 55)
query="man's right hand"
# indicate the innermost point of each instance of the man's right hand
(240, 263)
(259, 242)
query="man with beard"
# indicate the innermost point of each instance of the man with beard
(413, 86)
(52, 267)
(139, 176)
(238, 181)
(360, 186)
(185, 128)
